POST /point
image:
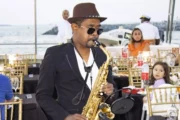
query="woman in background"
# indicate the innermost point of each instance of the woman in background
(137, 43)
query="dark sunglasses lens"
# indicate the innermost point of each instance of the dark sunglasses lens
(90, 31)
(99, 31)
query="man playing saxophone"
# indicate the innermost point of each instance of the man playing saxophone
(72, 68)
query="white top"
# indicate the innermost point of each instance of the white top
(64, 31)
(94, 71)
(149, 31)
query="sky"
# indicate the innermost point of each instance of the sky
(21, 12)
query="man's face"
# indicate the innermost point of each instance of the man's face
(87, 32)
(65, 14)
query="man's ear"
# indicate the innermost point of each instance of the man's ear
(74, 26)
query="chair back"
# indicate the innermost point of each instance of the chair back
(10, 109)
(3, 59)
(163, 53)
(17, 82)
(161, 99)
(175, 70)
(18, 69)
(135, 77)
(122, 65)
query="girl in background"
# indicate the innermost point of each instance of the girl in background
(160, 74)
(137, 43)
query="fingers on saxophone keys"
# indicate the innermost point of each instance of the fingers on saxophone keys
(101, 90)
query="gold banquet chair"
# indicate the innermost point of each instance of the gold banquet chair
(9, 109)
(18, 69)
(132, 61)
(17, 82)
(163, 53)
(161, 99)
(3, 59)
(135, 77)
(175, 70)
(122, 64)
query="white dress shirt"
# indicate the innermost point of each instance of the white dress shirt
(94, 71)
(149, 31)
(64, 31)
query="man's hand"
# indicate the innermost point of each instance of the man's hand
(108, 88)
(75, 117)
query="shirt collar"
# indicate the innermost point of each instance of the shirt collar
(160, 81)
(90, 59)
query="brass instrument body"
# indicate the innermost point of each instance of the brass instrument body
(95, 105)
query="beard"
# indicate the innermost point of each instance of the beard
(90, 43)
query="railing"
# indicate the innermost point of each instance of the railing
(38, 56)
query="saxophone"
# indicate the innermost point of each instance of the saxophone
(96, 108)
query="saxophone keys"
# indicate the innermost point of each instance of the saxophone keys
(101, 93)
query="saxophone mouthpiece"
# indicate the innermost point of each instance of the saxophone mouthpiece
(97, 42)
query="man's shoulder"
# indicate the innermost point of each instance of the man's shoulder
(146, 25)
(57, 48)
(151, 25)
(156, 28)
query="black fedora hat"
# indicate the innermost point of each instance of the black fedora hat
(85, 11)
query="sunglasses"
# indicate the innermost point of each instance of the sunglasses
(90, 31)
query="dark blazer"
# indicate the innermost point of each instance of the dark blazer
(59, 70)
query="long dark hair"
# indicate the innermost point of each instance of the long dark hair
(166, 72)
(132, 39)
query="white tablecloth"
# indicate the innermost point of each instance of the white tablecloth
(154, 48)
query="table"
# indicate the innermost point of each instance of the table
(30, 83)
(136, 111)
(34, 69)
(121, 81)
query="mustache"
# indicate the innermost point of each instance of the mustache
(93, 39)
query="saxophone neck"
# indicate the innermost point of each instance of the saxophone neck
(98, 44)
